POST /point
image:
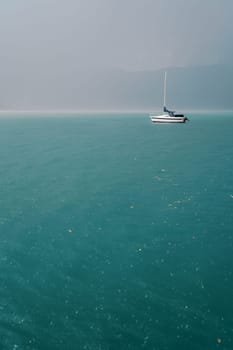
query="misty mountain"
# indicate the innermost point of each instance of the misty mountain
(196, 87)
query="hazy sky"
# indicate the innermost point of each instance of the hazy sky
(40, 38)
(128, 34)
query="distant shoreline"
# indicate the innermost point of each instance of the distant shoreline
(97, 112)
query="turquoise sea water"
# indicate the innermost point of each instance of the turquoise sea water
(116, 233)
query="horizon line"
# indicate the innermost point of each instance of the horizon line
(104, 111)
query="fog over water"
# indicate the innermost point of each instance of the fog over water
(86, 55)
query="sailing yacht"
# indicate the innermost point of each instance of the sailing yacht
(167, 116)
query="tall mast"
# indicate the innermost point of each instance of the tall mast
(164, 89)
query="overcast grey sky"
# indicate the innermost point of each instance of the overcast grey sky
(128, 34)
(40, 38)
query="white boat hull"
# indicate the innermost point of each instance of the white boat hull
(165, 118)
